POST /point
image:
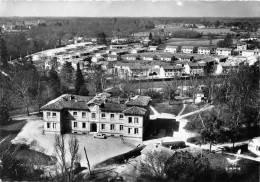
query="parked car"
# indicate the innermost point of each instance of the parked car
(99, 135)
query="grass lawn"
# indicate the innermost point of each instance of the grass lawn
(189, 108)
(164, 107)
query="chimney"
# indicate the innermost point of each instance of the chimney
(161, 142)
(118, 99)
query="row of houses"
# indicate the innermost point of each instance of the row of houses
(102, 113)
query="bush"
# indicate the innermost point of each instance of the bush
(194, 140)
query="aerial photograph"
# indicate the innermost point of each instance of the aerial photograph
(130, 90)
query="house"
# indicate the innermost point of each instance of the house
(119, 52)
(172, 49)
(140, 70)
(167, 57)
(195, 68)
(131, 57)
(83, 114)
(204, 50)
(113, 57)
(184, 57)
(138, 50)
(153, 48)
(187, 49)
(247, 53)
(229, 67)
(172, 71)
(254, 145)
(149, 57)
(224, 51)
(118, 46)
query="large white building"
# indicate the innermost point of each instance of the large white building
(102, 113)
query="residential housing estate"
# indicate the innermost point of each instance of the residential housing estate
(102, 113)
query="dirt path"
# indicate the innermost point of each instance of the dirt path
(194, 112)
(184, 106)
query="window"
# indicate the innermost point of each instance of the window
(129, 119)
(54, 115)
(83, 114)
(121, 127)
(93, 115)
(136, 130)
(129, 130)
(112, 116)
(54, 125)
(103, 115)
(136, 121)
(83, 125)
(75, 114)
(103, 126)
(121, 116)
(75, 124)
(48, 125)
(112, 127)
(48, 114)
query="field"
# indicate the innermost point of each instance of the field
(191, 42)
(218, 31)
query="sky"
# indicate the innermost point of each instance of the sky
(129, 8)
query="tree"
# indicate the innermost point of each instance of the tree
(150, 36)
(183, 166)
(66, 76)
(3, 52)
(227, 42)
(4, 115)
(153, 166)
(209, 125)
(83, 90)
(101, 38)
(79, 82)
(54, 83)
(24, 83)
(67, 165)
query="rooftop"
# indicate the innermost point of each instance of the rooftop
(135, 111)
(139, 100)
(68, 101)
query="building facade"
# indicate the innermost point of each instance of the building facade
(102, 113)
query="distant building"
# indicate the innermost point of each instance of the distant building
(172, 71)
(131, 57)
(149, 57)
(187, 49)
(172, 49)
(167, 57)
(247, 53)
(204, 50)
(153, 48)
(224, 51)
(113, 57)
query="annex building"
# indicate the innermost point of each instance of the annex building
(102, 113)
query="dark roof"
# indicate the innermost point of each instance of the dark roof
(167, 55)
(224, 49)
(135, 111)
(113, 107)
(188, 47)
(68, 101)
(191, 64)
(169, 67)
(139, 101)
(207, 48)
